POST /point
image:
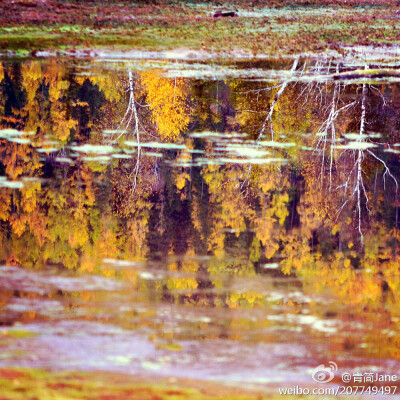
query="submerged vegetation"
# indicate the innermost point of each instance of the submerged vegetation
(36, 384)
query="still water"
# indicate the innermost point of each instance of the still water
(235, 223)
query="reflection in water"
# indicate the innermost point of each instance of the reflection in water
(212, 224)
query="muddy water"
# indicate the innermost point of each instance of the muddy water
(234, 223)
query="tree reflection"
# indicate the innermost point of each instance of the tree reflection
(319, 199)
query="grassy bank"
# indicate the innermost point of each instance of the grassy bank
(263, 27)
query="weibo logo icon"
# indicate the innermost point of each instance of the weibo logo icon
(322, 374)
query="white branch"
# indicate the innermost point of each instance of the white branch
(276, 99)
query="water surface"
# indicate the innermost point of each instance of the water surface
(235, 223)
